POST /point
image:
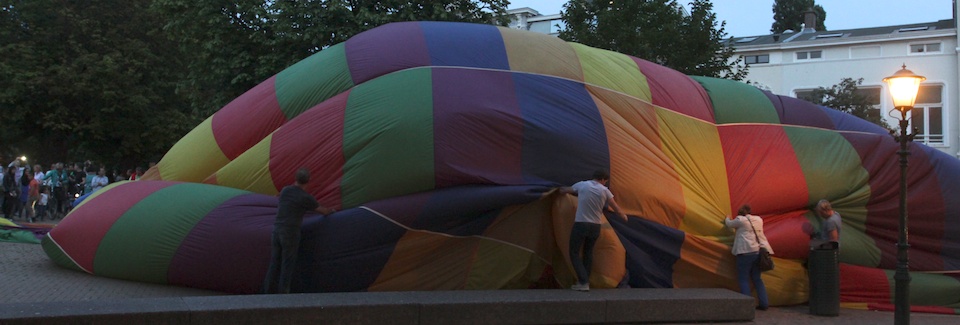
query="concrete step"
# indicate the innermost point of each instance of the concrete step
(420, 307)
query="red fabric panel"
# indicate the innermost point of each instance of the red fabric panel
(913, 309)
(675, 91)
(313, 140)
(864, 284)
(247, 119)
(762, 169)
(79, 235)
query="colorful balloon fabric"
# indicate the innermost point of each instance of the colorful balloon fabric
(441, 144)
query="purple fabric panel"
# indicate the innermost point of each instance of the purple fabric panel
(795, 111)
(229, 249)
(478, 130)
(925, 203)
(847, 122)
(386, 49)
(402, 209)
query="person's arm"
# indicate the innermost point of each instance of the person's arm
(325, 210)
(567, 190)
(616, 208)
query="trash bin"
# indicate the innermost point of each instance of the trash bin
(824, 272)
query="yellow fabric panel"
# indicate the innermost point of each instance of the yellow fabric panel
(612, 70)
(540, 54)
(497, 265)
(251, 170)
(193, 158)
(427, 261)
(528, 226)
(644, 182)
(694, 147)
(705, 263)
(609, 256)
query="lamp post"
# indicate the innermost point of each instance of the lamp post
(903, 86)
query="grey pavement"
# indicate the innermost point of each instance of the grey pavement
(28, 276)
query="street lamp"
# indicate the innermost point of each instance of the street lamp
(903, 87)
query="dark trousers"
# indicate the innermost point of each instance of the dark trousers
(749, 272)
(283, 260)
(583, 236)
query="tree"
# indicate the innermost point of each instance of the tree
(788, 14)
(656, 30)
(87, 80)
(847, 97)
(233, 45)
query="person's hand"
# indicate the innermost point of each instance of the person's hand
(623, 215)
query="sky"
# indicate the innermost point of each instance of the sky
(754, 17)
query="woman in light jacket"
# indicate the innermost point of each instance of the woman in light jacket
(746, 246)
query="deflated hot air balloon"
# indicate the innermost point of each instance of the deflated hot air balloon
(441, 144)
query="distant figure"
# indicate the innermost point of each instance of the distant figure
(592, 197)
(746, 247)
(294, 203)
(830, 222)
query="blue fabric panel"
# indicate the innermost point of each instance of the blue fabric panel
(469, 210)
(651, 249)
(564, 140)
(448, 46)
(345, 251)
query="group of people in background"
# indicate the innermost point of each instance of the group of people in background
(32, 194)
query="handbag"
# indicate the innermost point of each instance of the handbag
(764, 261)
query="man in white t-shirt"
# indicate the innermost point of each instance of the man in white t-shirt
(592, 197)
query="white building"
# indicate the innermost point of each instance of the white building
(797, 62)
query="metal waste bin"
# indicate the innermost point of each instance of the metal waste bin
(823, 267)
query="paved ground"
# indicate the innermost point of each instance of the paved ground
(27, 275)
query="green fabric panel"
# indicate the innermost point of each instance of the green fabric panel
(58, 255)
(18, 236)
(833, 171)
(930, 289)
(737, 102)
(388, 137)
(141, 243)
(313, 80)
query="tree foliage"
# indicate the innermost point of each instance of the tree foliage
(233, 45)
(788, 14)
(119, 81)
(660, 31)
(847, 97)
(81, 79)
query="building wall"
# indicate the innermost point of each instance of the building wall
(871, 60)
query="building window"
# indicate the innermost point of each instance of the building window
(927, 115)
(809, 55)
(925, 48)
(754, 59)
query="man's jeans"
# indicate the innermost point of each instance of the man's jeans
(283, 260)
(584, 235)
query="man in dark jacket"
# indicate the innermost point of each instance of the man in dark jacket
(294, 203)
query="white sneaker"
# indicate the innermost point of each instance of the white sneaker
(581, 287)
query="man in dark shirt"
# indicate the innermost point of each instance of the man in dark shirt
(294, 203)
